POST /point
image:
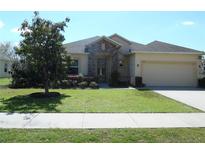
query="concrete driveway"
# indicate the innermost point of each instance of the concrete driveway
(194, 97)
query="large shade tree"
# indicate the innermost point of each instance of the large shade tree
(42, 48)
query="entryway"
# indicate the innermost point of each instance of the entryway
(101, 70)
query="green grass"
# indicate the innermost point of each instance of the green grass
(101, 100)
(157, 135)
(5, 81)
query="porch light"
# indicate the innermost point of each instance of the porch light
(138, 65)
(120, 63)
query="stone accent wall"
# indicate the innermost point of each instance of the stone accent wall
(106, 50)
(98, 50)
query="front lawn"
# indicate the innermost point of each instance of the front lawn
(100, 100)
(5, 81)
(148, 135)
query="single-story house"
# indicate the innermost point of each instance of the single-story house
(5, 66)
(156, 64)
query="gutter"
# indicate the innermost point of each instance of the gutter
(158, 52)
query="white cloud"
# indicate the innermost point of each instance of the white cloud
(26, 30)
(188, 23)
(15, 30)
(1, 24)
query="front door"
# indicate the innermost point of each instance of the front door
(101, 69)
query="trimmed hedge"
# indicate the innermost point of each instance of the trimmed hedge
(201, 83)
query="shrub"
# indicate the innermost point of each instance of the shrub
(55, 84)
(22, 76)
(83, 84)
(93, 85)
(65, 84)
(123, 84)
(73, 83)
(20, 83)
(201, 83)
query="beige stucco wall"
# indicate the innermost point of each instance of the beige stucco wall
(132, 68)
(82, 63)
(2, 73)
(124, 68)
(141, 58)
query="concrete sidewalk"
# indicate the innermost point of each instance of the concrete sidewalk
(102, 120)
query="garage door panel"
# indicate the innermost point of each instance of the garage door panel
(169, 74)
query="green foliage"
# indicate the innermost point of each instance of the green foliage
(125, 135)
(87, 100)
(5, 81)
(83, 84)
(93, 85)
(65, 84)
(42, 49)
(201, 83)
(25, 76)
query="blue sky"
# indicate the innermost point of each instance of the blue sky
(181, 28)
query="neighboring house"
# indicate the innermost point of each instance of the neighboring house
(5, 66)
(157, 63)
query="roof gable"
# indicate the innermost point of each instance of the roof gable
(120, 37)
(106, 39)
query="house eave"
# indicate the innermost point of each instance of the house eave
(158, 52)
(107, 39)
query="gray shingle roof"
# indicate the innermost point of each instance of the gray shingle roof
(79, 46)
(139, 47)
(166, 47)
(155, 46)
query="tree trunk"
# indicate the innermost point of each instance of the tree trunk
(46, 82)
(46, 87)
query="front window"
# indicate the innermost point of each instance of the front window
(73, 69)
(103, 46)
(5, 68)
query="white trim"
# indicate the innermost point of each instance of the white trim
(106, 38)
(158, 52)
(122, 38)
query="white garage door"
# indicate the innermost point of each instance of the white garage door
(169, 74)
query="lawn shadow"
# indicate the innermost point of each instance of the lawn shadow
(144, 89)
(4, 86)
(25, 103)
